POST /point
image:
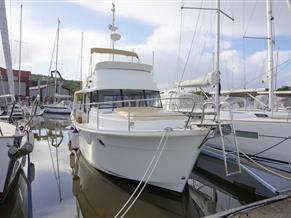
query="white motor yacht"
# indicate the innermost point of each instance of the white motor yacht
(121, 123)
(123, 128)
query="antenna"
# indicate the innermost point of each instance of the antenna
(113, 36)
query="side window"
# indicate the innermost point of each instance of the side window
(155, 96)
(93, 99)
(137, 95)
(107, 98)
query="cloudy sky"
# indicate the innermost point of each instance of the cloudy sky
(182, 40)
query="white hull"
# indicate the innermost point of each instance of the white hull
(266, 138)
(128, 156)
(8, 168)
(4, 159)
(55, 109)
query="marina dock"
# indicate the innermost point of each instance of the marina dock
(278, 206)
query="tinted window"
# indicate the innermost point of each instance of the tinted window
(155, 95)
(137, 95)
(108, 96)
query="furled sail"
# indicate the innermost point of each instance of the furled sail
(6, 46)
(289, 4)
(206, 80)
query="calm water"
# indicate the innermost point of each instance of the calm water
(61, 191)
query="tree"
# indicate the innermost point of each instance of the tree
(284, 88)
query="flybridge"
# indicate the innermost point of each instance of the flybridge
(123, 66)
(114, 52)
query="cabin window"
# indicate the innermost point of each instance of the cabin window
(93, 98)
(136, 97)
(155, 95)
(109, 96)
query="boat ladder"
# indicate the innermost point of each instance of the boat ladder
(224, 130)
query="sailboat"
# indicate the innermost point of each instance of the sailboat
(260, 134)
(124, 130)
(62, 103)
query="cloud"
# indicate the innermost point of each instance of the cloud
(164, 17)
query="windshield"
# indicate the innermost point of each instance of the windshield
(133, 98)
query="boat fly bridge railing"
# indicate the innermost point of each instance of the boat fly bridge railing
(132, 110)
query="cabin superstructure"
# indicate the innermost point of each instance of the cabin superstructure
(120, 80)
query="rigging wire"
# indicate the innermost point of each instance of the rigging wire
(180, 40)
(197, 46)
(283, 65)
(250, 18)
(191, 45)
(50, 67)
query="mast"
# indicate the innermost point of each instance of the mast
(57, 55)
(20, 38)
(270, 64)
(6, 46)
(216, 56)
(217, 60)
(81, 67)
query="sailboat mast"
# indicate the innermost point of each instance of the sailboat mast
(6, 47)
(217, 60)
(57, 54)
(81, 67)
(270, 65)
(20, 38)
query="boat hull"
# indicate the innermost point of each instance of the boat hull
(128, 156)
(57, 110)
(261, 138)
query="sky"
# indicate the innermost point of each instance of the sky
(182, 41)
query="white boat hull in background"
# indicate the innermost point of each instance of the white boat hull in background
(261, 137)
(6, 140)
(55, 109)
(4, 159)
(128, 156)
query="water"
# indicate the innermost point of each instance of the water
(61, 191)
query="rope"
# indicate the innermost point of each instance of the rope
(159, 152)
(259, 165)
(265, 168)
(278, 143)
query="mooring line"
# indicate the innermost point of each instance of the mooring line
(157, 152)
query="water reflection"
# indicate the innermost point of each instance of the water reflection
(101, 195)
(52, 191)
(16, 202)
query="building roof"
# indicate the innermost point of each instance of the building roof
(23, 74)
(44, 87)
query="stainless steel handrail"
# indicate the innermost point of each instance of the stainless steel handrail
(129, 106)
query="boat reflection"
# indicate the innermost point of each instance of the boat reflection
(18, 202)
(102, 195)
(51, 130)
(42, 122)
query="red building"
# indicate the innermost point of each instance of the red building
(24, 81)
